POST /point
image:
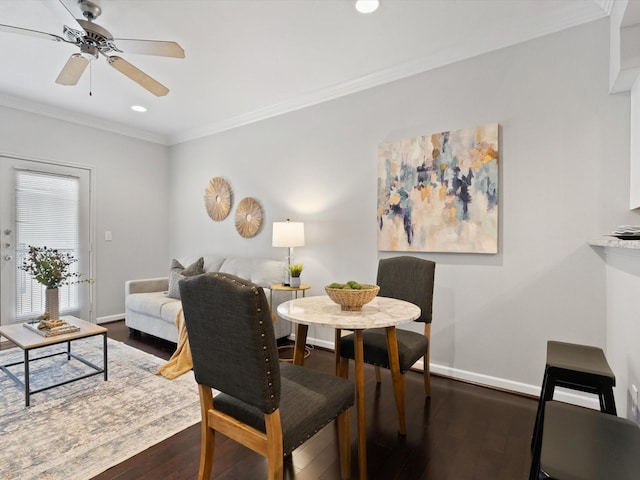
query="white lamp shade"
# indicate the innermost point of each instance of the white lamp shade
(288, 234)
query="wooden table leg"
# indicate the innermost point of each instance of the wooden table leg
(362, 434)
(301, 342)
(397, 377)
(336, 351)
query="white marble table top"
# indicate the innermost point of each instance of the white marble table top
(380, 312)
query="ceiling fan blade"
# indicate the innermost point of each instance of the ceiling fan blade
(31, 33)
(72, 70)
(150, 47)
(69, 6)
(138, 76)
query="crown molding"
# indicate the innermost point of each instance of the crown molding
(50, 111)
(501, 38)
(606, 5)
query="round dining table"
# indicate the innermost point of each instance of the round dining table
(381, 312)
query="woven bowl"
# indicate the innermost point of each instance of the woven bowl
(352, 300)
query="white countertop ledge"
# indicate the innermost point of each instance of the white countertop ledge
(614, 242)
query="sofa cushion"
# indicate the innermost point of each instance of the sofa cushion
(211, 262)
(151, 303)
(177, 272)
(261, 271)
(170, 311)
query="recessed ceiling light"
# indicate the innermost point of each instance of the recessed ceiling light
(138, 108)
(367, 6)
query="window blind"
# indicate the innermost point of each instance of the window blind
(47, 214)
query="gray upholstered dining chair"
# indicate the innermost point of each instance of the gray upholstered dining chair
(268, 406)
(410, 279)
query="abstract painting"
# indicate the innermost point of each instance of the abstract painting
(439, 192)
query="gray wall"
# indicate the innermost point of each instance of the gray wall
(131, 179)
(564, 159)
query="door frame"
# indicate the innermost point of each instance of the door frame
(51, 166)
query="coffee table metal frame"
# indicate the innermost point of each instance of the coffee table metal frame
(36, 342)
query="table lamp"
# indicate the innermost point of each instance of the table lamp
(288, 234)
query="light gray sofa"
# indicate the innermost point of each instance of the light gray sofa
(148, 309)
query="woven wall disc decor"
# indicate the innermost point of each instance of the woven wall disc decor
(217, 198)
(248, 217)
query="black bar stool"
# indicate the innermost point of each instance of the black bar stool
(578, 367)
(584, 444)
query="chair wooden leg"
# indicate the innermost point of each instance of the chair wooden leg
(343, 370)
(427, 362)
(427, 377)
(344, 443)
(341, 363)
(274, 453)
(207, 435)
(397, 377)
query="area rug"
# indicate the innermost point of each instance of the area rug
(76, 431)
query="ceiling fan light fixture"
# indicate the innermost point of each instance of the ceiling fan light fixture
(138, 108)
(367, 6)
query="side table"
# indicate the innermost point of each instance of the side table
(278, 287)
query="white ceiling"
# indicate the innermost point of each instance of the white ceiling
(251, 59)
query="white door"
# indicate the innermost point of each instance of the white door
(32, 194)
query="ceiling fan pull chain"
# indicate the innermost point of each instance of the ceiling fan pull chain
(90, 79)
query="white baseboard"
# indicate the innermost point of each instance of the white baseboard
(561, 394)
(110, 318)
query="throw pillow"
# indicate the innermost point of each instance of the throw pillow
(177, 272)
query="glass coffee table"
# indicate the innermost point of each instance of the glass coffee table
(28, 340)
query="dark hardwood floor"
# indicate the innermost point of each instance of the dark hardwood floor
(464, 432)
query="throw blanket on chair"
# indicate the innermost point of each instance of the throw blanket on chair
(180, 362)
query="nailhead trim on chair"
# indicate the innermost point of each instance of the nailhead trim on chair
(231, 308)
(316, 431)
(256, 292)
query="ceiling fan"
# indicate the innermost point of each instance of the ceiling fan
(94, 40)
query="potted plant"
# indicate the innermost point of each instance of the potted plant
(50, 267)
(294, 271)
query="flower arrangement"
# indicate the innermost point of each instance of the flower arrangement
(50, 267)
(295, 270)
